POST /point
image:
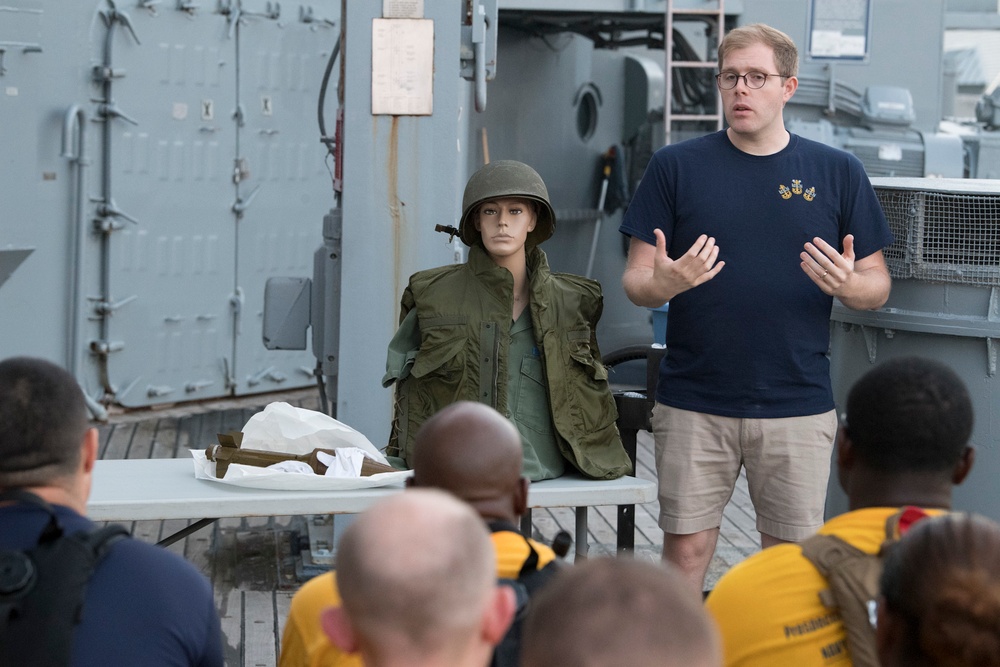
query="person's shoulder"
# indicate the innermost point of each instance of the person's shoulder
(824, 151)
(318, 592)
(312, 598)
(566, 292)
(695, 145)
(761, 574)
(431, 281)
(133, 558)
(513, 549)
(426, 275)
(576, 282)
(538, 263)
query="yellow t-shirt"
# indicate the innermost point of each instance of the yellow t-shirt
(305, 644)
(768, 608)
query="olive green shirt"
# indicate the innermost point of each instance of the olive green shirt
(528, 402)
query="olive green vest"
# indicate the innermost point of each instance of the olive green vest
(453, 344)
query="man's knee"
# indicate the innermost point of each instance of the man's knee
(691, 549)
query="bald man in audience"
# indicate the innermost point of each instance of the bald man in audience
(608, 612)
(417, 578)
(472, 451)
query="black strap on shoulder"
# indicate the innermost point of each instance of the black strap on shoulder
(42, 589)
(52, 530)
(531, 562)
(529, 580)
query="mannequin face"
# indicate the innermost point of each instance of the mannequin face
(504, 225)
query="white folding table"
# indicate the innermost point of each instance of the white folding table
(159, 489)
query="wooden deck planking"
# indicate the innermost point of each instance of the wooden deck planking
(260, 629)
(249, 560)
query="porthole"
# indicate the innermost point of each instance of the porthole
(587, 108)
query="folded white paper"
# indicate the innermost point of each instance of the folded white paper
(281, 427)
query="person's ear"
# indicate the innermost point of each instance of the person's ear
(499, 614)
(964, 465)
(89, 448)
(338, 628)
(845, 448)
(791, 85)
(845, 456)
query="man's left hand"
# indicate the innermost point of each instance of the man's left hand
(826, 267)
(859, 284)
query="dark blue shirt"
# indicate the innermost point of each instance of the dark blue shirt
(144, 605)
(753, 341)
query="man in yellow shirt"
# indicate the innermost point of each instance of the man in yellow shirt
(904, 443)
(471, 451)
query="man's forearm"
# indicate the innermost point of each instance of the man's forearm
(642, 290)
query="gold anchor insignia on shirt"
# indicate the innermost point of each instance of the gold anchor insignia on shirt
(796, 186)
(784, 192)
(809, 194)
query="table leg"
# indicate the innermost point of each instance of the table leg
(582, 543)
(184, 532)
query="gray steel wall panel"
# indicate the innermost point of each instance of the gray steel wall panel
(174, 271)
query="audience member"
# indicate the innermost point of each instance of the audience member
(608, 612)
(143, 605)
(903, 443)
(417, 578)
(940, 595)
(472, 451)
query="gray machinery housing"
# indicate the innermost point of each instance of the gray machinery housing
(945, 304)
(160, 162)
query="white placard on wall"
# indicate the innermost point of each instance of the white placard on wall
(402, 67)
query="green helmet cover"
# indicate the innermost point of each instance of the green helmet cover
(503, 179)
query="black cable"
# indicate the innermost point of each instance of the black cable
(327, 141)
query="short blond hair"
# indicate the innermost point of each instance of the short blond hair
(786, 54)
(620, 611)
(415, 570)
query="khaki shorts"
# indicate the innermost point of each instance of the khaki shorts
(698, 460)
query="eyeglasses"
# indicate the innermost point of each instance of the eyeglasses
(728, 80)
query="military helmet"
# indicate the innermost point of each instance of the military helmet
(506, 178)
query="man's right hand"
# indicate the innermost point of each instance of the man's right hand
(652, 278)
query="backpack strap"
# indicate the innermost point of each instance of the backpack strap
(828, 553)
(853, 579)
(529, 580)
(40, 609)
(852, 576)
(531, 561)
(52, 530)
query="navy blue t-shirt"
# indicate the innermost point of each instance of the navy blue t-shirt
(144, 605)
(753, 341)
